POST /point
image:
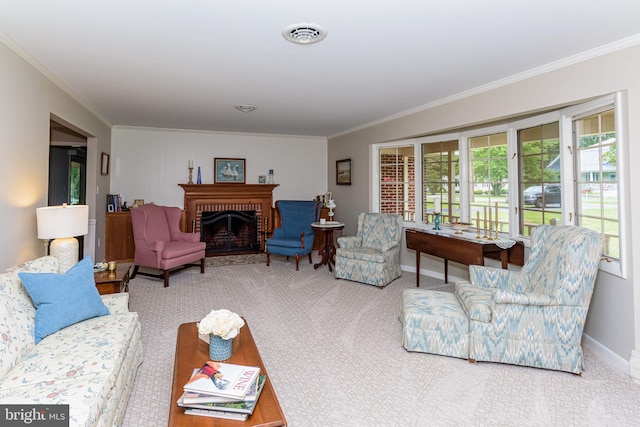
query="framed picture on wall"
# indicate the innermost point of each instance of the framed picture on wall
(104, 164)
(343, 172)
(228, 171)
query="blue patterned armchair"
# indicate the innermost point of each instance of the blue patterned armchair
(535, 317)
(372, 256)
(532, 317)
(295, 236)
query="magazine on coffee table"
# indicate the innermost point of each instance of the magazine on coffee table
(223, 379)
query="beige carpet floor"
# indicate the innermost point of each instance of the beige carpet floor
(334, 355)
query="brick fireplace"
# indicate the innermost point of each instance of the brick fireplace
(235, 204)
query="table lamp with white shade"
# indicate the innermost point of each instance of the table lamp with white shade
(63, 223)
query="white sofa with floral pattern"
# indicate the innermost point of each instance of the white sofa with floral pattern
(90, 365)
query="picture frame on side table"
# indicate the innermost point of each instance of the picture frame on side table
(228, 171)
(343, 172)
(104, 164)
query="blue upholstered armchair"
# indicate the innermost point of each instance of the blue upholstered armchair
(295, 236)
(372, 256)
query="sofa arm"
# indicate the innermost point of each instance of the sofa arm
(349, 242)
(116, 303)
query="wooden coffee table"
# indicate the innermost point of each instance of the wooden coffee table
(192, 352)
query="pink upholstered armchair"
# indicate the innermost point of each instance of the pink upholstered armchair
(160, 244)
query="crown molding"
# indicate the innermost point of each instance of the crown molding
(534, 72)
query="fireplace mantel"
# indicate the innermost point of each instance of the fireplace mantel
(200, 198)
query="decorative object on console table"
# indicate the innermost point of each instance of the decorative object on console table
(63, 223)
(228, 170)
(343, 172)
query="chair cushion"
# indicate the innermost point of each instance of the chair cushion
(476, 301)
(178, 249)
(434, 322)
(63, 299)
(285, 242)
(362, 254)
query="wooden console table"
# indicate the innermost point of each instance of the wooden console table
(457, 248)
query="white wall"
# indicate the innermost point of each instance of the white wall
(149, 163)
(614, 315)
(27, 104)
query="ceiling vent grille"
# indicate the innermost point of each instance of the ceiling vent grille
(245, 108)
(304, 33)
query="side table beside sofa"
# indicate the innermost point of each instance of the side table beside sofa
(89, 365)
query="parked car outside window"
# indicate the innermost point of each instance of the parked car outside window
(542, 195)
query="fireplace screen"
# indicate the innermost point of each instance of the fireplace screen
(229, 232)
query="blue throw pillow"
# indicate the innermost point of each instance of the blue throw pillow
(63, 299)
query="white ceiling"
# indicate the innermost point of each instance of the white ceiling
(185, 63)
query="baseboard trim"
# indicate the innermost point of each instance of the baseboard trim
(613, 359)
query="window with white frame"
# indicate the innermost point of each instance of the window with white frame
(440, 178)
(397, 181)
(488, 181)
(571, 154)
(597, 177)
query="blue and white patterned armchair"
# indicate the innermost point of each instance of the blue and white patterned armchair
(535, 316)
(372, 256)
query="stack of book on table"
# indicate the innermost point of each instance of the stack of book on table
(223, 390)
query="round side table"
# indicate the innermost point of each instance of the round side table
(328, 248)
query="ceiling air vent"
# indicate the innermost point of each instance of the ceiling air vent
(304, 33)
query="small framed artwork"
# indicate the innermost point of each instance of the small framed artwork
(227, 171)
(262, 179)
(104, 164)
(111, 208)
(343, 172)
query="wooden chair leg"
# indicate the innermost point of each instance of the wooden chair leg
(472, 360)
(134, 272)
(166, 278)
(202, 266)
(268, 259)
(310, 259)
(297, 261)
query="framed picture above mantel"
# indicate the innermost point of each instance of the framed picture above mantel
(343, 172)
(229, 171)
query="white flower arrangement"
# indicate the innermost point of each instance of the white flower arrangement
(223, 323)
